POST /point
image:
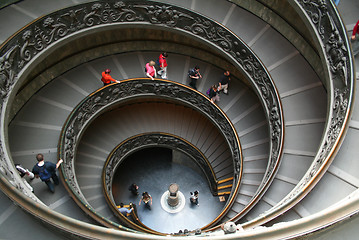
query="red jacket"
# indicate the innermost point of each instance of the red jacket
(106, 78)
(355, 29)
(163, 61)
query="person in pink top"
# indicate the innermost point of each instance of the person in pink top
(163, 65)
(151, 70)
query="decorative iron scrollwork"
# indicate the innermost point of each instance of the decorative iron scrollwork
(337, 54)
(106, 97)
(42, 34)
(155, 139)
(163, 14)
(333, 38)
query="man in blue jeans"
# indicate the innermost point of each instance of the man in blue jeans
(124, 210)
(46, 171)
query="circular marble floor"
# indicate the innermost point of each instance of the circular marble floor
(153, 170)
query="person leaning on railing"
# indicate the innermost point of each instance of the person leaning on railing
(107, 79)
(124, 210)
(231, 227)
(24, 172)
(151, 70)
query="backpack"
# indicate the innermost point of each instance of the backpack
(44, 174)
(191, 72)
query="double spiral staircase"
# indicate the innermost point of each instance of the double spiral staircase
(280, 147)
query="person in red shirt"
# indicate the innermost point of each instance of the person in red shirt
(107, 79)
(355, 41)
(355, 30)
(163, 65)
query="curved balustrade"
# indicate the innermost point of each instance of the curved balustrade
(138, 142)
(335, 51)
(134, 215)
(44, 34)
(324, 20)
(106, 97)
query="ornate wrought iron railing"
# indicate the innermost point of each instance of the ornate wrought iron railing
(334, 48)
(32, 42)
(138, 142)
(104, 98)
(153, 139)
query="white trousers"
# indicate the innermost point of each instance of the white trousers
(163, 72)
(224, 88)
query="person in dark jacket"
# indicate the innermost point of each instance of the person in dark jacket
(46, 171)
(133, 188)
(224, 82)
(194, 75)
(194, 197)
(213, 94)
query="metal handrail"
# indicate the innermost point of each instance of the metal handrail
(118, 155)
(105, 98)
(180, 19)
(123, 150)
(333, 45)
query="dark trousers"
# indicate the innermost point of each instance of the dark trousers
(147, 205)
(194, 200)
(193, 83)
(134, 191)
(50, 185)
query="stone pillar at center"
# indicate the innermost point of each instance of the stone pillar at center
(173, 199)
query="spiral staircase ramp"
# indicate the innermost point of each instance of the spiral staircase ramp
(301, 184)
